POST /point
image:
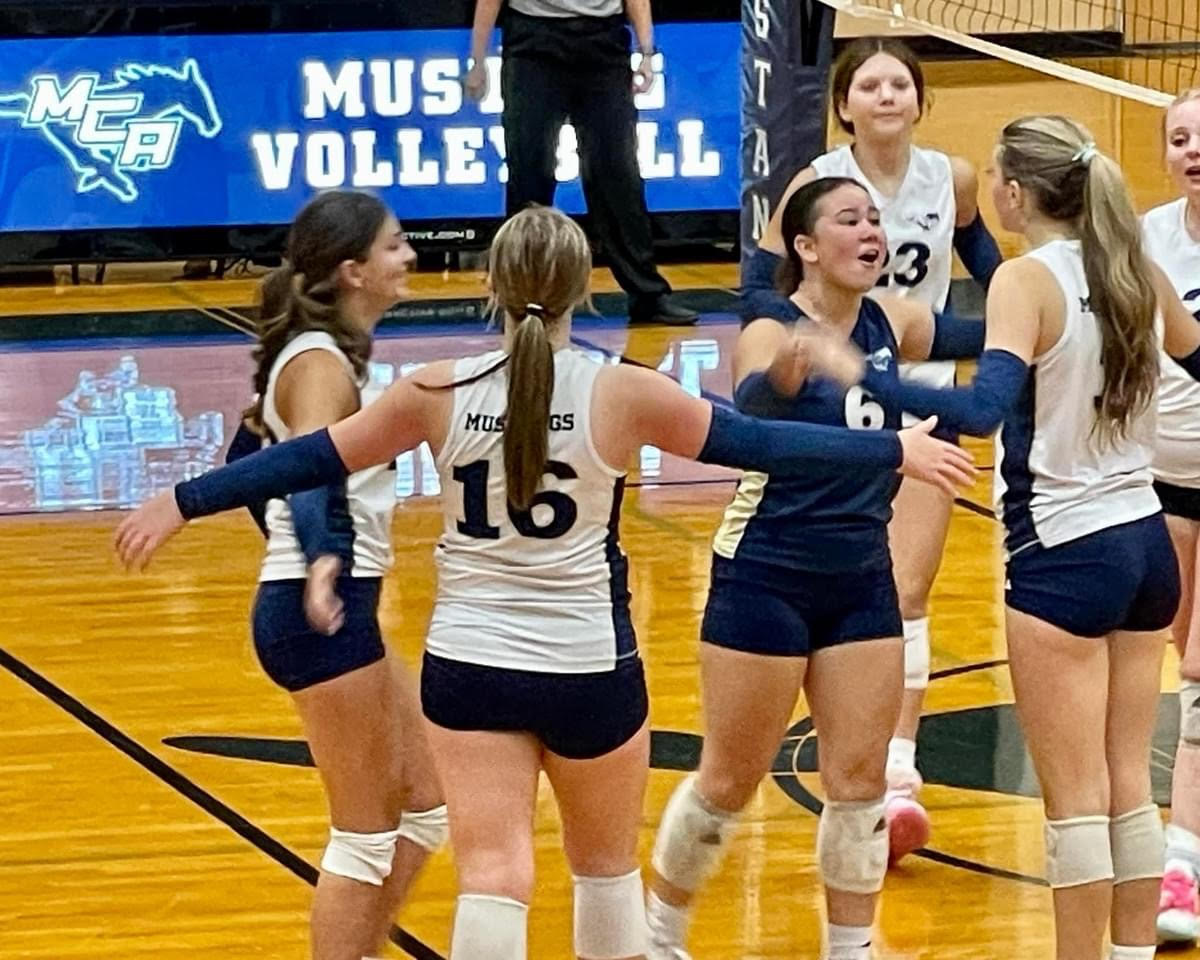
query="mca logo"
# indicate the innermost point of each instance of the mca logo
(110, 131)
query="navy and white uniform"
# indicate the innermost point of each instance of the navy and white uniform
(919, 222)
(1087, 545)
(802, 563)
(531, 629)
(293, 654)
(1177, 447)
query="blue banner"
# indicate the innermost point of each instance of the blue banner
(189, 131)
(787, 53)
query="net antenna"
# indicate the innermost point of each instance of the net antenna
(1155, 42)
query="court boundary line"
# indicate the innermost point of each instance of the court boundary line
(187, 788)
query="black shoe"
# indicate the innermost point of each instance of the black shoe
(661, 311)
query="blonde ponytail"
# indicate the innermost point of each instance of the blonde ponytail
(1056, 160)
(539, 265)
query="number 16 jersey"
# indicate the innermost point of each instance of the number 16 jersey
(544, 589)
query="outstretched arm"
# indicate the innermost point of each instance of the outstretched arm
(400, 420)
(1015, 302)
(661, 413)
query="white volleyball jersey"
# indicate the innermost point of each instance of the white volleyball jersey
(370, 493)
(544, 589)
(1056, 480)
(919, 223)
(1177, 448)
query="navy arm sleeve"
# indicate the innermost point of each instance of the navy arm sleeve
(244, 443)
(789, 448)
(281, 469)
(755, 396)
(1191, 363)
(955, 338)
(759, 297)
(977, 409)
(321, 518)
(977, 249)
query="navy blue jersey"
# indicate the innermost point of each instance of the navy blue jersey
(826, 522)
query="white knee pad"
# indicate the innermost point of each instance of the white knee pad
(1137, 844)
(610, 917)
(852, 845)
(366, 857)
(428, 829)
(916, 654)
(1078, 851)
(691, 838)
(1189, 712)
(489, 928)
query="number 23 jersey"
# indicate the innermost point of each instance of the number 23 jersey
(827, 519)
(918, 221)
(544, 589)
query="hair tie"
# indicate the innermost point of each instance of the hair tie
(1084, 154)
(535, 310)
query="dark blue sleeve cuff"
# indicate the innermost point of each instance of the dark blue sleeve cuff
(977, 249)
(955, 338)
(299, 464)
(321, 518)
(977, 409)
(244, 443)
(1191, 363)
(790, 448)
(756, 397)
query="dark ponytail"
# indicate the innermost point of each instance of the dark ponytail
(302, 294)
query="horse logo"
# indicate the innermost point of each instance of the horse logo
(110, 130)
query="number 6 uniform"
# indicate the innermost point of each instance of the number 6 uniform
(802, 563)
(919, 224)
(531, 629)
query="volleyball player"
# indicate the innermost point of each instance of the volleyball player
(328, 550)
(1071, 372)
(1172, 237)
(928, 206)
(803, 595)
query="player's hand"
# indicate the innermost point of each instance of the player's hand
(322, 606)
(831, 354)
(643, 76)
(476, 82)
(146, 529)
(934, 461)
(790, 368)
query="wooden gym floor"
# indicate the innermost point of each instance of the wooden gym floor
(156, 799)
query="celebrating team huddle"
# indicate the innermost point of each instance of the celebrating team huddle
(845, 423)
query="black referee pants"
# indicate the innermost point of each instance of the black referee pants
(577, 68)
